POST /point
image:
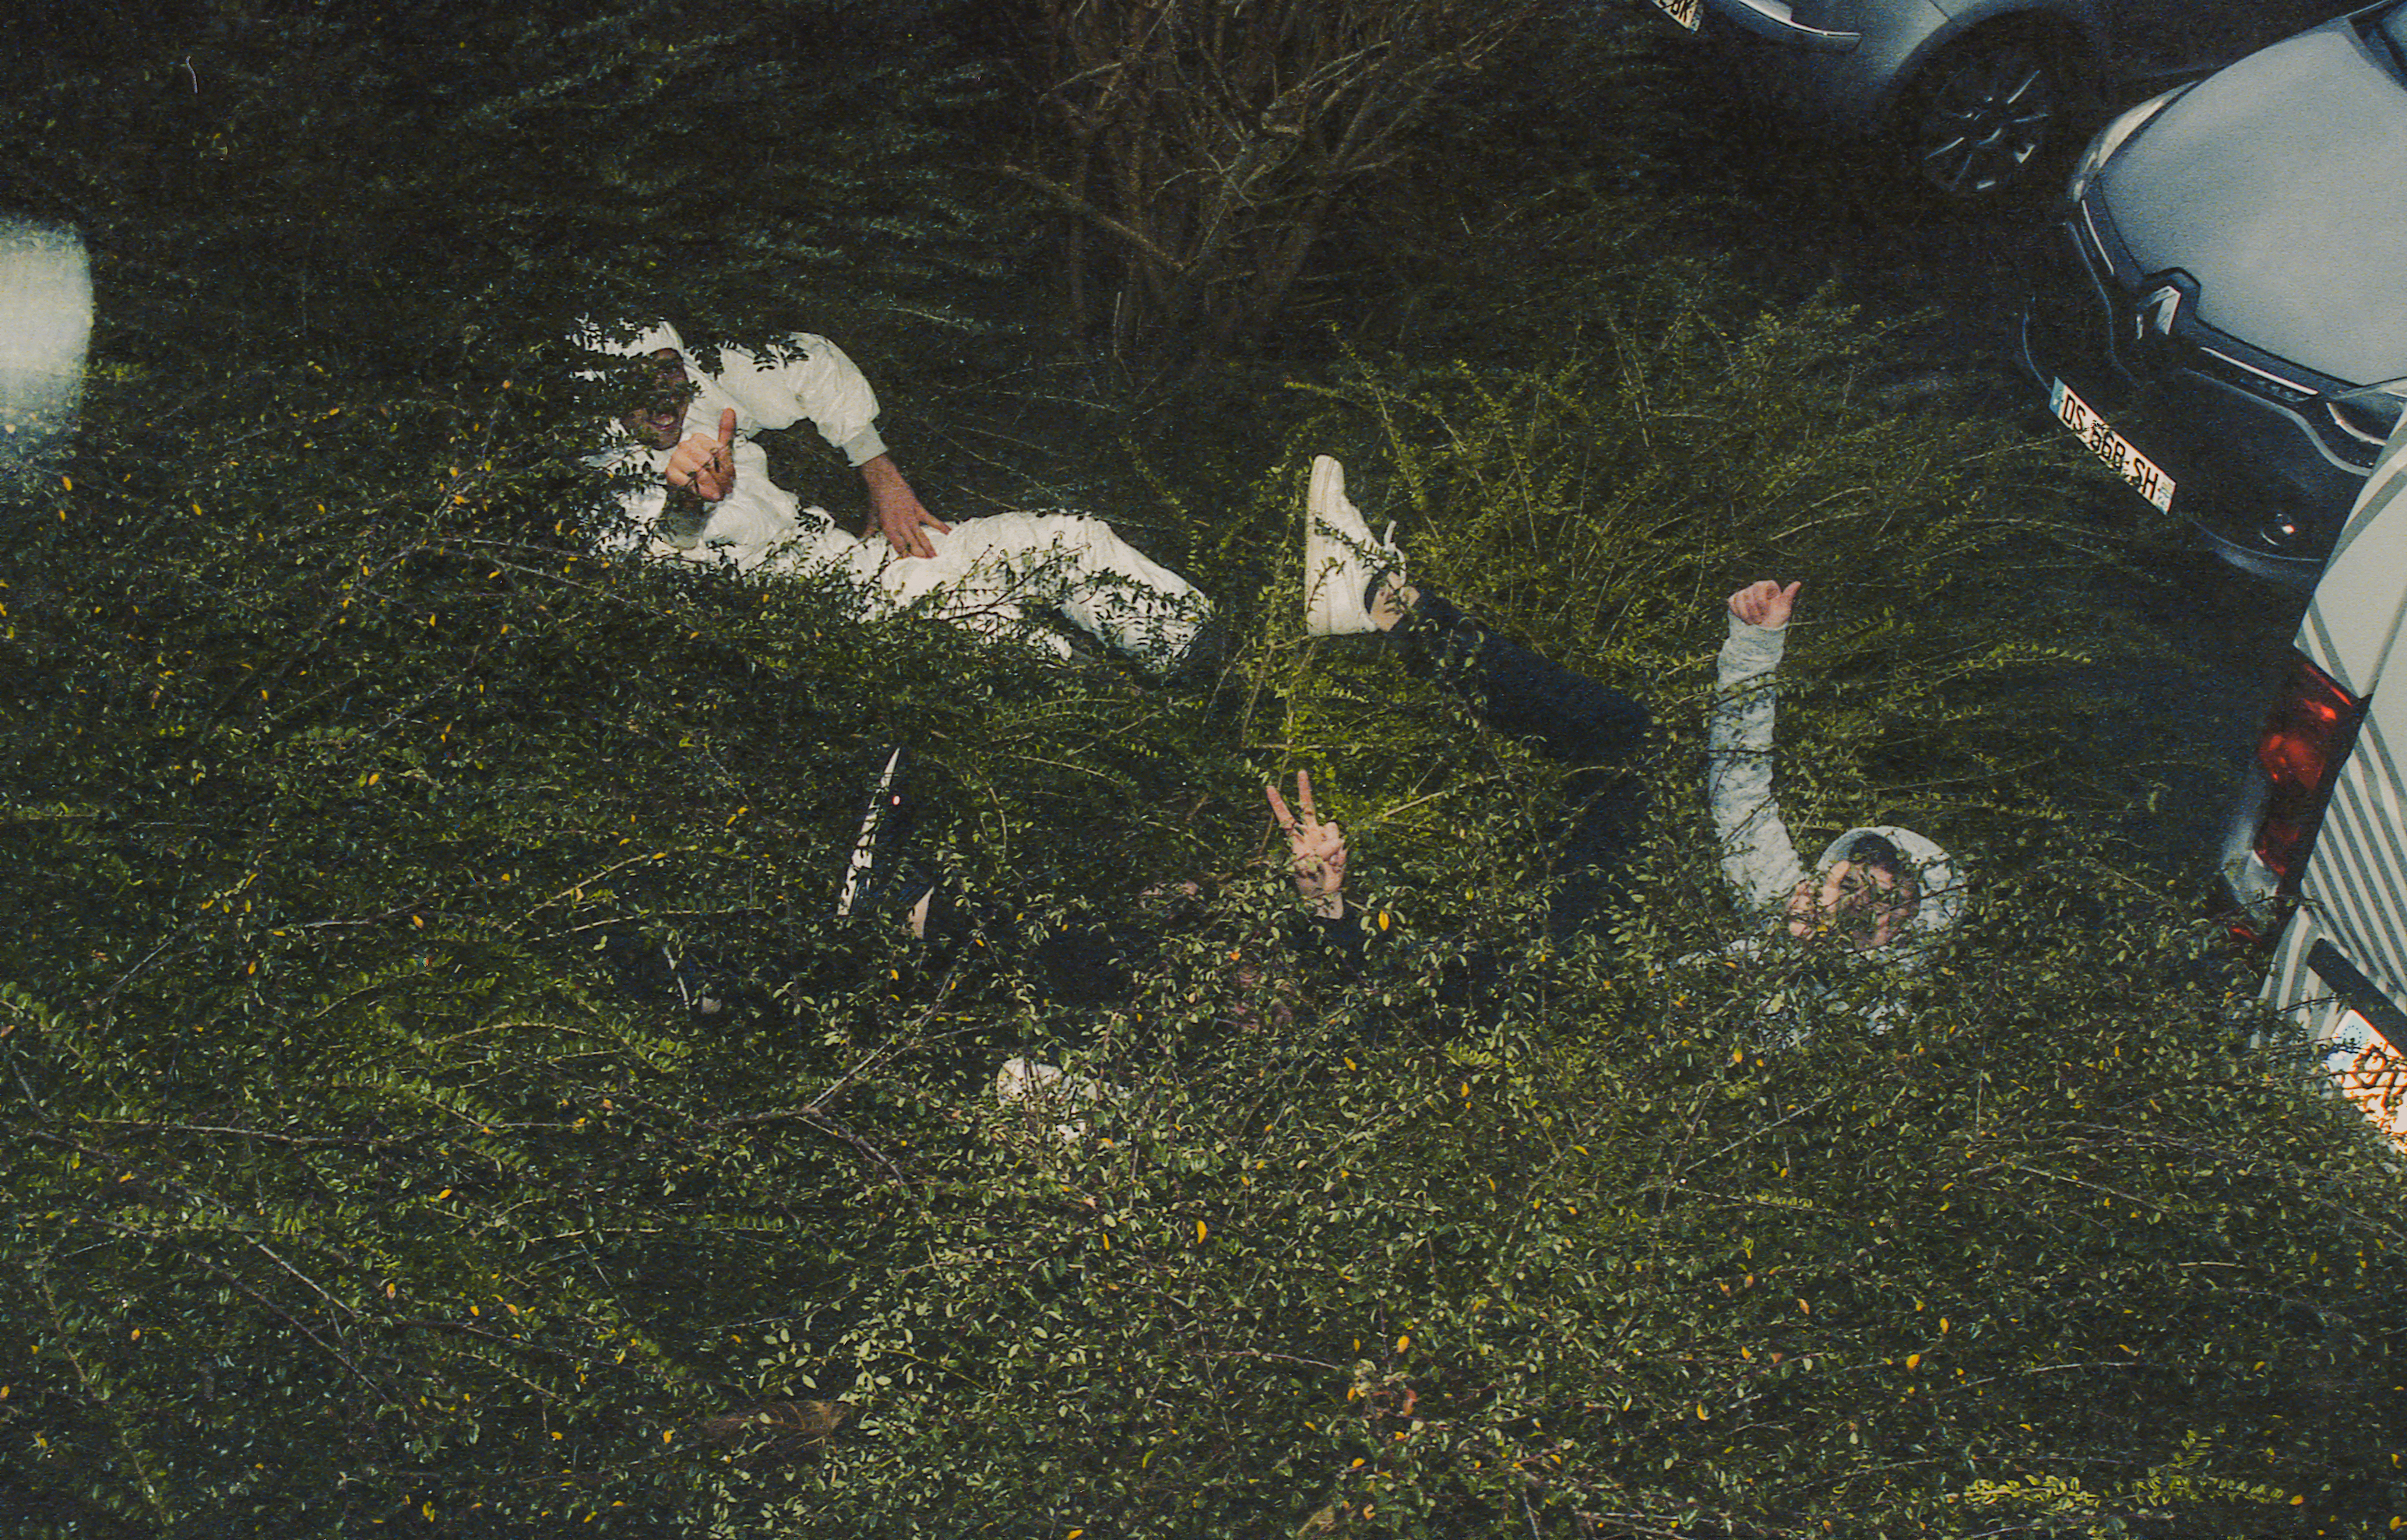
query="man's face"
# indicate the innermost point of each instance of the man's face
(1861, 905)
(659, 422)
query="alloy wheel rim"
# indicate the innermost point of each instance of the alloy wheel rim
(1986, 121)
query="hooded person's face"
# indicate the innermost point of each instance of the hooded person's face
(1863, 904)
(658, 421)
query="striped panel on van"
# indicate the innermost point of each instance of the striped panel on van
(2352, 626)
(2357, 879)
(2382, 487)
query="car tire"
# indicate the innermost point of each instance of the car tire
(1990, 117)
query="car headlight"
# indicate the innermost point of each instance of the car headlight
(2112, 138)
(2368, 416)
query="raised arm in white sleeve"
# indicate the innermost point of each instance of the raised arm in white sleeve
(808, 376)
(1758, 858)
(805, 376)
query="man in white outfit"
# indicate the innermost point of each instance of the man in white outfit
(708, 499)
(1875, 888)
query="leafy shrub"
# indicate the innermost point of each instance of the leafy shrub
(378, 1164)
(1609, 1260)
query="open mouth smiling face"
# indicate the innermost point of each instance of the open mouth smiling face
(658, 421)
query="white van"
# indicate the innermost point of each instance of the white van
(2316, 858)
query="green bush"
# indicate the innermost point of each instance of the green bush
(2052, 1253)
(363, 825)
(330, 1083)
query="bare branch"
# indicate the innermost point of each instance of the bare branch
(1079, 205)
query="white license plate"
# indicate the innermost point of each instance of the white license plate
(2147, 476)
(1688, 13)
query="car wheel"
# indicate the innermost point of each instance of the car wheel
(1980, 122)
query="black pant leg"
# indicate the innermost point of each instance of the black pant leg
(1565, 715)
(1573, 720)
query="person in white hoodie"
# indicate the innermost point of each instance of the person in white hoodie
(1876, 888)
(1882, 889)
(703, 495)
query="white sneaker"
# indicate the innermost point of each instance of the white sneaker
(1341, 561)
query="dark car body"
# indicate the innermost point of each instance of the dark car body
(2223, 296)
(1978, 92)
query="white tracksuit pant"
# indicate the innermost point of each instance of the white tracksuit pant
(992, 574)
(989, 574)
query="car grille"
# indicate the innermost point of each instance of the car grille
(2130, 345)
(2121, 337)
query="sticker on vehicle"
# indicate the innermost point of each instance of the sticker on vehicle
(2368, 1070)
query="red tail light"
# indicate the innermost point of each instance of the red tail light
(2307, 735)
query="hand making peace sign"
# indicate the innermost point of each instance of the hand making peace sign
(1315, 851)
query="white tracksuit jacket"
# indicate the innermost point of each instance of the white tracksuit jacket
(988, 573)
(1758, 858)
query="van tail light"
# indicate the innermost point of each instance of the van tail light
(2307, 735)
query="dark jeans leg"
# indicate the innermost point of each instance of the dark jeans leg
(1573, 720)
(1567, 716)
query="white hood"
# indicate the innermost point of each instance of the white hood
(1943, 892)
(592, 336)
(651, 339)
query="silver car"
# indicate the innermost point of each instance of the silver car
(1975, 94)
(2219, 314)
